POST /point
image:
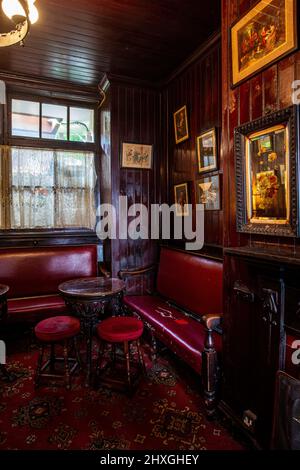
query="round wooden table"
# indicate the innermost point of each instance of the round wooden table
(87, 298)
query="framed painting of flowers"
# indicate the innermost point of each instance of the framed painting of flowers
(266, 153)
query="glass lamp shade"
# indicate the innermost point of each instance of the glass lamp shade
(33, 11)
(13, 9)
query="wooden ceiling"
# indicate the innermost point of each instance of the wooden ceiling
(79, 40)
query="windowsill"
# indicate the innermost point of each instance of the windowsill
(43, 237)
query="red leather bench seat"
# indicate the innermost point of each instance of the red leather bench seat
(42, 307)
(33, 276)
(194, 284)
(180, 333)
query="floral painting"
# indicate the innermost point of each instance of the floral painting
(267, 175)
(136, 156)
(265, 33)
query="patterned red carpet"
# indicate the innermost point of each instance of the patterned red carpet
(165, 413)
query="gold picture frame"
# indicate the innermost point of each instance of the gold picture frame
(267, 32)
(181, 197)
(136, 156)
(206, 144)
(267, 173)
(181, 125)
(209, 192)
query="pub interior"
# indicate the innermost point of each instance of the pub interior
(149, 225)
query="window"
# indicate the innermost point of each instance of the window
(48, 172)
(52, 121)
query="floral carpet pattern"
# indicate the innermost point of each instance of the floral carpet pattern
(165, 413)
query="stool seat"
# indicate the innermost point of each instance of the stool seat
(57, 329)
(120, 329)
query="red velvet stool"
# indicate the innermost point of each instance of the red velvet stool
(125, 330)
(51, 332)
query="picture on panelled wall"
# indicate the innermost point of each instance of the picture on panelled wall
(208, 190)
(263, 35)
(181, 199)
(181, 125)
(137, 156)
(267, 171)
(207, 151)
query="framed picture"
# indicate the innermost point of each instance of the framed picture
(263, 35)
(181, 125)
(208, 190)
(181, 196)
(137, 156)
(207, 151)
(266, 153)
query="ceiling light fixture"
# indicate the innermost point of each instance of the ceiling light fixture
(23, 13)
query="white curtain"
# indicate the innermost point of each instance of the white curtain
(51, 189)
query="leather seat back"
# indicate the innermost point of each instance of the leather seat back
(192, 282)
(38, 271)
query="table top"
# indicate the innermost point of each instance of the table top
(92, 287)
(3, 289)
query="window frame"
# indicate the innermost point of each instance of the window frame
(56, 236)
(49, 143)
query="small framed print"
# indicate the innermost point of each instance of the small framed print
(207, 151)
(181, 199)
(137, 156)
(209, 193)
(181, 125)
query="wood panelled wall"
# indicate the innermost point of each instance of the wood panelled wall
(198, 87)
(266, 92)
(135, 117)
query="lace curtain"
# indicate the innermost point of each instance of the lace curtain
(47, 189)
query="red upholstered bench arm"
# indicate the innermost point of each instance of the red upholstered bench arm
(137, 272)
(125, 274)
(212, 321)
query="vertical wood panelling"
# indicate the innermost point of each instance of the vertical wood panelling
(135, 117)
(199, 88)
(266, 92)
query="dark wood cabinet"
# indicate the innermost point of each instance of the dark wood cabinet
(262, 303)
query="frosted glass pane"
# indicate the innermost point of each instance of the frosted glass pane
(25, 121)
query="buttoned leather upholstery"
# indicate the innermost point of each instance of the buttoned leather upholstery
(33, 276)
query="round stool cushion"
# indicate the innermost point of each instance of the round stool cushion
(57, 329)
(120, 329)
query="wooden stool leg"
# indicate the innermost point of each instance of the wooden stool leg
(76, 350)
(127, 356)
(99, 358)
(113, 353)
(39, 365)
(67, 369)
(52, 357)
(141, 357)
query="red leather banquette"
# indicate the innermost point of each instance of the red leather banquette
(33, 276)
(185, 283)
